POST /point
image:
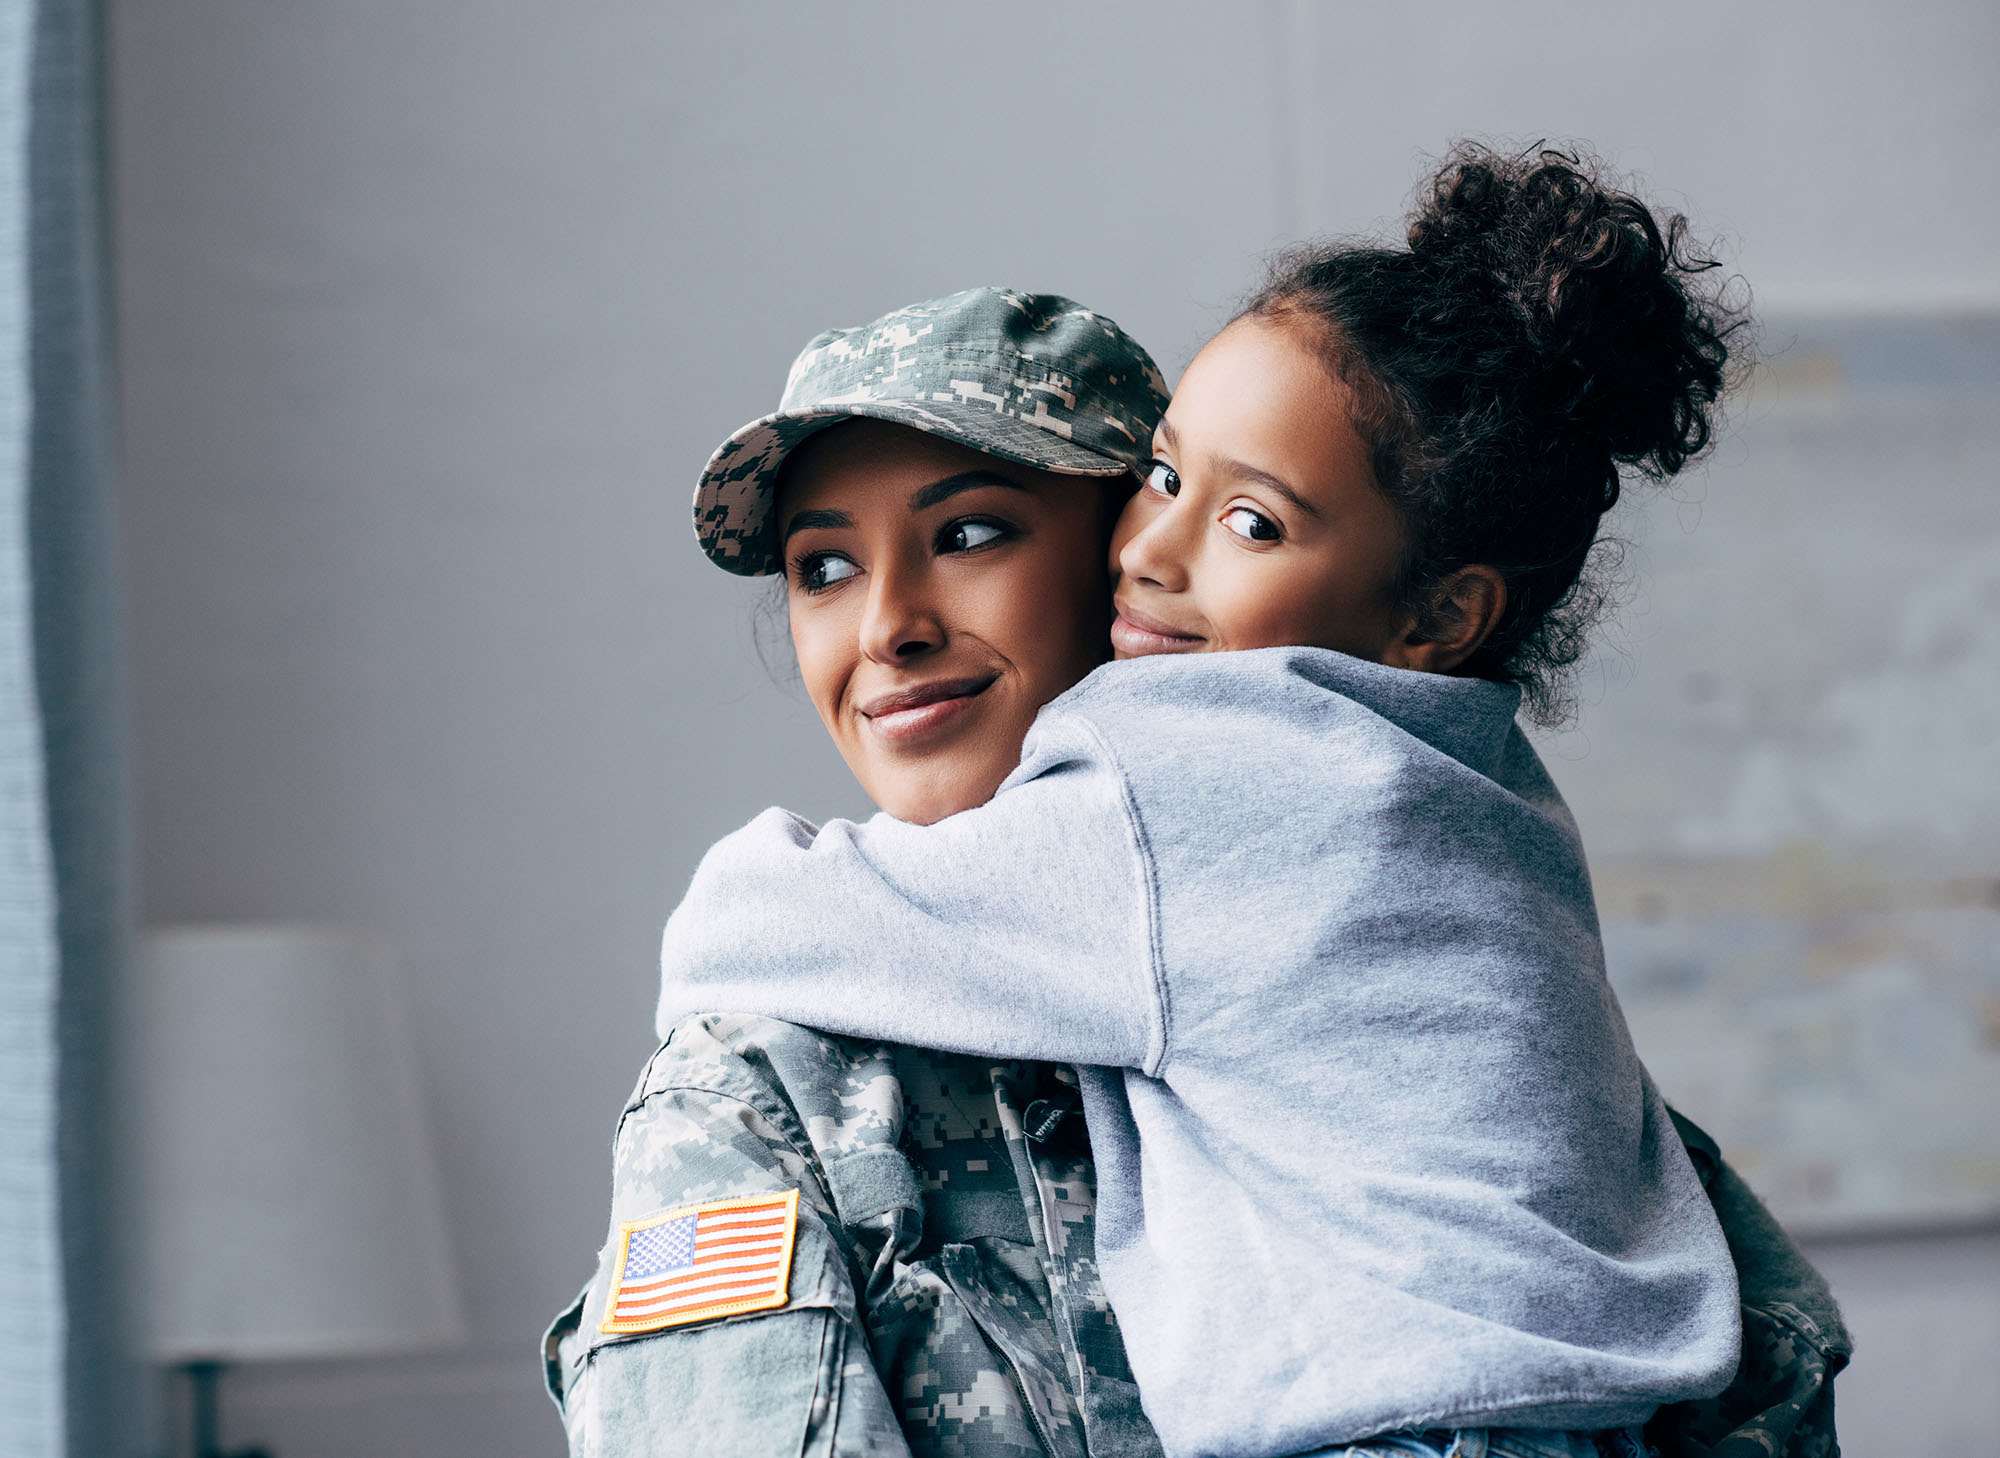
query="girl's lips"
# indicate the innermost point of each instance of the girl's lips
(907, 719)
(1138, 635)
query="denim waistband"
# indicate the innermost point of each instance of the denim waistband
(1496, 1443)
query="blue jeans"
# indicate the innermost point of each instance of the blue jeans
(1496, 1443)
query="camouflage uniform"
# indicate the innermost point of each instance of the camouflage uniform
(945, 1297)
(1794, 1342)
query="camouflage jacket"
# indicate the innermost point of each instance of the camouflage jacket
(944, 1297)
(1794, 1342)
(944, 1294)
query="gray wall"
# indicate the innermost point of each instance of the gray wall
(430, 312)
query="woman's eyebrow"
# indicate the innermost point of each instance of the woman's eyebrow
(925, 497)
(807, 520)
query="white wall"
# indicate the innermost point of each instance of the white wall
(431, 311)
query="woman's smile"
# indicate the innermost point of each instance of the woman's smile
(913, 717)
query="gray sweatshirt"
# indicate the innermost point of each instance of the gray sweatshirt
(1374, 1149)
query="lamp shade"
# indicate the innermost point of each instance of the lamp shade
(289, 1202)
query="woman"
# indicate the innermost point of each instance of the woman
(942, 1287)
(985, 599)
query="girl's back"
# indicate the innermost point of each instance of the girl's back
(1398, 1164)
(1382, 1154)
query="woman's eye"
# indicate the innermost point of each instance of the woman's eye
(1162, 478)
(963, 536)
(818, 571)
(1252, 526)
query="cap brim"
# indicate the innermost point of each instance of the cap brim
(732, 502)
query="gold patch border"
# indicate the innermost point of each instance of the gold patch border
(613, 1327)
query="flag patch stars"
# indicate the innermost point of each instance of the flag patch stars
(702, 1261)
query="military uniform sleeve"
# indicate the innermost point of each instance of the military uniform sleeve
(1023, 928)
(796, 1380)
(1780, 1403)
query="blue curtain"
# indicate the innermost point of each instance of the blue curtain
(67, 1384)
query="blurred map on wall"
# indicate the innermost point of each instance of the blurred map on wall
(1787, 771)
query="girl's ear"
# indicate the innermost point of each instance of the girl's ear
(1462, 611)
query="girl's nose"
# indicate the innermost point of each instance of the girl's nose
(1156, 553)
(899, 622)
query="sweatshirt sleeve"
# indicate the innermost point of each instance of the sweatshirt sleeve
(1019, 929)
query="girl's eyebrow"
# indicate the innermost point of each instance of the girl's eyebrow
(1244, 471)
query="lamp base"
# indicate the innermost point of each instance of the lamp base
(205, 1413)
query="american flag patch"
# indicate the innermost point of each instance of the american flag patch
(701, 1261)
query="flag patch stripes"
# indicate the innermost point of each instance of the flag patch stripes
(702, 1261)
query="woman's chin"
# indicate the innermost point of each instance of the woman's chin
(922, 808)
(929, 814)
(925, 795)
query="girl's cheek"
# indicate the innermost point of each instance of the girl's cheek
(1131, 519)
(1249, 608)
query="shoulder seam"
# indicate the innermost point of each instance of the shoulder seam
(1831, 1348)
(780, 1119)
(761, 1098)
(1149, 886)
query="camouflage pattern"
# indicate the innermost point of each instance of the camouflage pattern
(704, 1124)
(931, 1311)
(1032, 378)
(946, 1301)
(1794, 1343)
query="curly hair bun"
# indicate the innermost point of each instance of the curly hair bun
(1606, 338)
(1543, 332)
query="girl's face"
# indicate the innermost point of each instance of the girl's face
(1259, 524)
(938, 598)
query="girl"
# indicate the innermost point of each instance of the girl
(1322, 893)
(1376, 1158)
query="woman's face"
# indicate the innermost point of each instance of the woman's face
(1260, 523)
(938, 598)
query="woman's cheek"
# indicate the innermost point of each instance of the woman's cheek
(817, 643)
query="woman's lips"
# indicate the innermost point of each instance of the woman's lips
(909, 716)
(1135, 633)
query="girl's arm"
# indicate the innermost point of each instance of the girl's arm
(1020, 929)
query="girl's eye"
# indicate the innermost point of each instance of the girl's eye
(1252, 526)
(964, 536)
(1162, 478)
(817, 571)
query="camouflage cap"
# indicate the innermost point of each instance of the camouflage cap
(1032, 378)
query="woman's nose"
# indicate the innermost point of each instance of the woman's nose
(899, 622)
(1156, 552)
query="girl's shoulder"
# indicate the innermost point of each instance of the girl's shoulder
(1306, 708)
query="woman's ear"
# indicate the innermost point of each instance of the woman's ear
(1462, 610)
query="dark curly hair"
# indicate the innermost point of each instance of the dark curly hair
(1543, 332)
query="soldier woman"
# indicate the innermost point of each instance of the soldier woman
(942, 1289)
